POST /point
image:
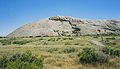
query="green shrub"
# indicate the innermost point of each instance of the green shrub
(38, 36)
(41, 39)
(3, 61)
(90, 56)
(51, 39)
(51, 50)
(67, 43)
(22, 61)
(31, 36)
(71, 38)
(64, 38)
(45, 36)
(45, 43)
(68, 38)
(70, 50)
(20, 42)
(112, 38)
(76, 43)
(111, 51)
(18, 64)
(110, 43)
(116, 52)
(87, 56)
(113, 43)
(106, 50)
(5, 41)
(58, 39)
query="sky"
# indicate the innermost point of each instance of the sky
(15, 13)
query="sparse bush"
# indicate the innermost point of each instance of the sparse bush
(3, 37)
(58, 39)
(95, 36)
(64, 38)
(110, 43)
(116, 52)
(112, 38)
(20, 42)
(51, 50)
(40, 39)
(45, 43)
(70, 50)
(3, 61)
(70, 38)
(113, 43)
(45, 36)
(102, 57)
(111, 51)
(38, 36)
(67, 43)
(18, 64)
(51, 39)
(6, 41)
(22, 61)
(106, 50)
(31, 36)
(76, 43)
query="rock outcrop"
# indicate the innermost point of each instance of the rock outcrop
(67, 26)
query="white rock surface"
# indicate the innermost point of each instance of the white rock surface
(63, 26)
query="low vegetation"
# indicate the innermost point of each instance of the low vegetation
(60, 52)
(21, 61)
(6, 41)
(51, 50)
(89, 56)
(20, 42)
(70, 50)
(111, 51)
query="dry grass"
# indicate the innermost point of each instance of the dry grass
(56, 59)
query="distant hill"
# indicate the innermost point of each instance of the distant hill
(67, 26)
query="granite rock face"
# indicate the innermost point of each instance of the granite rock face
(67, 26)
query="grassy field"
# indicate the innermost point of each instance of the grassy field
(62, 52)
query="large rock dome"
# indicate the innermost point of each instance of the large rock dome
(64, 26)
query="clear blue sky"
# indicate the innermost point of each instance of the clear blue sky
(15, 13)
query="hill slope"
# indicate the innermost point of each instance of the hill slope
(63, 26)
